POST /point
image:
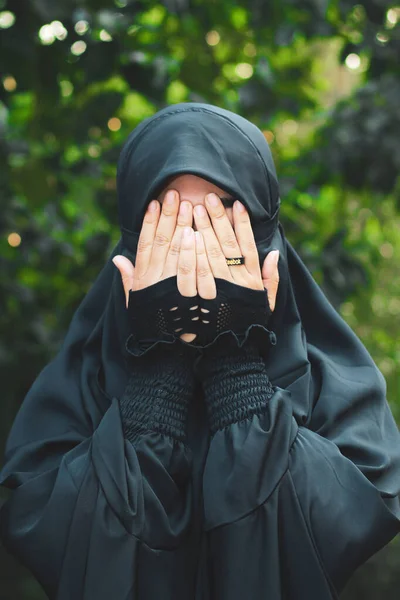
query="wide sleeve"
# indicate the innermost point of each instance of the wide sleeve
(290, 512)
(94, 514)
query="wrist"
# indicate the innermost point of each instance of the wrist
(234, 379)
(159, 389)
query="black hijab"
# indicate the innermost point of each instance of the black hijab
(335, 387)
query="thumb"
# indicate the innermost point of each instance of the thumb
(127, 270)
(270, 276)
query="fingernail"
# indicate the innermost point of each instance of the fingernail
(114, 262)
(183, 208)
(212, 199)
(199, 210)
(240, 206)
(153, 205)
(275, 254)
(170, 198)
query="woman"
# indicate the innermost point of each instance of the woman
(246, 452)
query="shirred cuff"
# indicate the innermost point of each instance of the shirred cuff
(235, 383)
(156, 398)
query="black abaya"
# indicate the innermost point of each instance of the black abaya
(284, 504)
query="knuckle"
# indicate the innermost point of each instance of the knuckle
(168, 211)
(143, 245)
(230, 241)
(185, 268)
(203, 272)
(150, 218)
(251, 246)
(161, 240)
(174, 248)
(215, 252)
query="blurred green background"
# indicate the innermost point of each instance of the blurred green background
(320, 78)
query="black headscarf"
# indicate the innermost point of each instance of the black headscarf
(335, 387)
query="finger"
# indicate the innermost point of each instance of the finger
(270, 276)
(146, 238)
(206, 287)
(225, 234)
(185, 219)
(186, 279)
(164, 233)
(216, 258)
(245, 237)
(127, 271)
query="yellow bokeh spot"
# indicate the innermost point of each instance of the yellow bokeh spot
(386, 250)
(290, 127)
(94, 151)
(114, 124)
(244, 70)
(14, 239)
(66, 88)
(269, 136)
(9, 83)
(213, 38)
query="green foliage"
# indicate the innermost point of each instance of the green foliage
(320, 78)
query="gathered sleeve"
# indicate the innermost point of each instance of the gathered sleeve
(291, 510)
(94, 513)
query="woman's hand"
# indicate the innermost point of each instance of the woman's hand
(159, 250)
(216, 240)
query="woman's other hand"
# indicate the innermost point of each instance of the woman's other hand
(216, 240)
(159, 250)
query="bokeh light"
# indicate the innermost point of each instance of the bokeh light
(353, 61)
(290, 127)
(114, 124)
(244, 70)
(52, 31)
(383, 38)
(105, 36)
(213, 38)
(9, 83)
(386, 250)
(269, 136)
(94, 151)
(7, 19)
(78, 48)
(250, 49)
(81, 27)
(392, 17)
(14, 239)
(66, 88)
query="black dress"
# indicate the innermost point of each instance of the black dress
(239, 501)
(285, 476)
